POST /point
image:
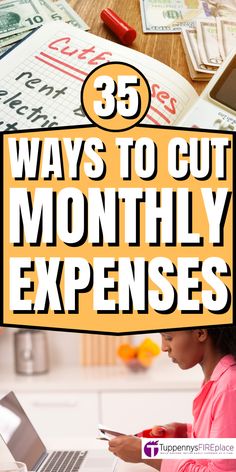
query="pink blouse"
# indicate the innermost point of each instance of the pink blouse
(214, 412)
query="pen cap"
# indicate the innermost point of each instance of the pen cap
(147, 433)
(120, 28)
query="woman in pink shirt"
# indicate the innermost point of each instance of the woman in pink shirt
(214, 408)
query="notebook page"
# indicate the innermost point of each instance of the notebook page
(41, 79)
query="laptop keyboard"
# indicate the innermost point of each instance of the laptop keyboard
(64, 461)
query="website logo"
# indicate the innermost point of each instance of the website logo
(189, 448)
(151, 449)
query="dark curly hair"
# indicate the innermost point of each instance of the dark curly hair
(224, 339)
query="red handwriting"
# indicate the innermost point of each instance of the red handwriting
(63, 45)
(163, 97)
(62, 66)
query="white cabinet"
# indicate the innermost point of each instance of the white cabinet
(61, 414)
(133, 412)
(71, 401)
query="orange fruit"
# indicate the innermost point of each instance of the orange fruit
(150, 346)
(126, 352)
(145, 357)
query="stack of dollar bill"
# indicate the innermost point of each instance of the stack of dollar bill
(207, 45)
(19, 17)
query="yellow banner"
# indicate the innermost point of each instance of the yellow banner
(117, 232)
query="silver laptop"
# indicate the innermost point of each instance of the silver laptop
(26, 446)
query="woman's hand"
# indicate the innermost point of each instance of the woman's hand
(127, 448)
(171, 430)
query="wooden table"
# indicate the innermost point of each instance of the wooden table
(166, 48)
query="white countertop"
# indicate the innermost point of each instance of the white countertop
(163, 375)
(72, 443)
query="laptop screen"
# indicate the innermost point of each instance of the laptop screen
(18, 433)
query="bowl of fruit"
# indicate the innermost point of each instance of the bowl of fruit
(139, 358)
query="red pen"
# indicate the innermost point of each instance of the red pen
(120, 28)
(147, 433)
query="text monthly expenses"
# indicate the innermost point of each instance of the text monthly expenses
(109, 216)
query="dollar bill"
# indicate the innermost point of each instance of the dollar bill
(226, 31)
(5, 49)
(51, 10)
(12, 39)
(208, 43)
(165, 16)
(55, 12)
(197, 69)
(69, 15)
(223, 7)
(18, 16)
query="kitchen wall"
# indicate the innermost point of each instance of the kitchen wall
(63, 347)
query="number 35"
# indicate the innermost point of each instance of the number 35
(121, 97)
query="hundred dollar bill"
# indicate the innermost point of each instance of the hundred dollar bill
(189, 40)
(69, 15)
(165, 16)
(208, 43)
(18, 16)
(226, 31)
